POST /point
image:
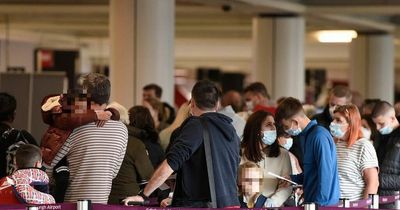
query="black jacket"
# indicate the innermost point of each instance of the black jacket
(388, 152)
(150, 140)
(324, 118)
(5, 143)
(187, 156)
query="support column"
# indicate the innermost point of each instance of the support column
(142, 48)
(278, 52)
(372, 66)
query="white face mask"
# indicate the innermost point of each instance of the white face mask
(293, 131)
(366, 132)
(249, 105)
(386, 130)
(269, 137)
(288, 144)
(336, 130)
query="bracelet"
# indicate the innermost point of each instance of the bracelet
(145, 198)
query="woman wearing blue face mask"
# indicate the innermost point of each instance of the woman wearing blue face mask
(286, 142)
(356, 156)
(259, 145)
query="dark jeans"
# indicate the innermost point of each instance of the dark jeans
(61, 180)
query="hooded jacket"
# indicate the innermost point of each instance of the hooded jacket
(151, 141)
(187, 157)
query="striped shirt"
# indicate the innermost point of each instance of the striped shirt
(94, 155)
(351, 163)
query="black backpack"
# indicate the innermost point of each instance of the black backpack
(12, 139)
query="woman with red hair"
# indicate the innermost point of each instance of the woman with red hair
(356, 156)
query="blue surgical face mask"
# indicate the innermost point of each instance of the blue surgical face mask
(336, 130)
(288, 144)
(293, 131)
(269, 137)
(366, 132)
(386, 130)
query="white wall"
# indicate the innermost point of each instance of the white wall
(228, 54)
(20, 54)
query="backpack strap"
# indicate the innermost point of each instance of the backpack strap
(7, 133)
(18, 135)
(210, 170)
(260, 201)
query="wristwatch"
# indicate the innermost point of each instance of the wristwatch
(146, 199)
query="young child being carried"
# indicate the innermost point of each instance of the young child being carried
(65, 112)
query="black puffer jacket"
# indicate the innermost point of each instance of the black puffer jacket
(323, 118)
(389, 163)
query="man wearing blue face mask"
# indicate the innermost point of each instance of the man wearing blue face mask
(387, 148)
(338, 96)
(320, 174)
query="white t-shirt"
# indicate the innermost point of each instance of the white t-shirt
(351, 164)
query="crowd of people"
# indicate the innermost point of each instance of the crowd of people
(217, 150)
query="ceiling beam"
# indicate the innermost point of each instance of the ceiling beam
(292, 7)
(62, 27)
(355, 23)
(356, 10)
(45, 9)
(286, 6)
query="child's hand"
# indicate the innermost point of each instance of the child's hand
(100, 123)
(102, 117)
(166, 202)
(56, 109)
(283, 184)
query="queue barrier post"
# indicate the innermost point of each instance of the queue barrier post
(345, 202)
(375, 201)
(310, 206)
(83, 205)
(397, 202)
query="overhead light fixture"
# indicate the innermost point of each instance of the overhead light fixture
(336, 36)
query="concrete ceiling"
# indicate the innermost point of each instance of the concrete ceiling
(201, 18)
